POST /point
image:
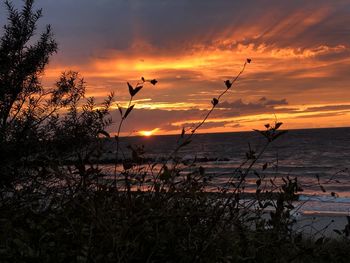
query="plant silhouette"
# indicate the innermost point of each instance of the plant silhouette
(58, 204)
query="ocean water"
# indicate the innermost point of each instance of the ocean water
(314, 156)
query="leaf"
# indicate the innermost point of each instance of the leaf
(228, 84)
(183, 132)
(120, 110)
(153, 81)
(128, 111)
(215, 102)
(165, 176)
(267, 126)
(334, 194)
(127, 165)
(278, 124)
(249, 60)
(143, 79)
(264, 166)
(136, 90)
(258, 182)
(104, 133)
(131, 89)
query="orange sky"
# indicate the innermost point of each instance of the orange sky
(299, 72)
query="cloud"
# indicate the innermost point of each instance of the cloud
(326, 114)
(172, 120)
(230, 116)
(262, 105)
(207, 125)
(299, 49)
(328, 108)
(91, 29)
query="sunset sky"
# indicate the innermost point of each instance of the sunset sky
(300, 51)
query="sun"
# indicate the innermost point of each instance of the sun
(148, 133)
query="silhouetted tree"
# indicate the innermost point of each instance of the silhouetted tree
(34, 137)
(22, 61)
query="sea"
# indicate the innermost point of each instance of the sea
(318, 158)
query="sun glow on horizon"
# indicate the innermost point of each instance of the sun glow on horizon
(148, 133)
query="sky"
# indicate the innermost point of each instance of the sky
(299, 75)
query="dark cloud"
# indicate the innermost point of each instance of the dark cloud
(85, 28)
(207, 125)
(267, 102)
(328, 108)
(326, 114)
(148, 119)
(262, 105)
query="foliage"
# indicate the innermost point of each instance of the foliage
(22, 62)
(58, 205)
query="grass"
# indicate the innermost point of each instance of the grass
(57, 205)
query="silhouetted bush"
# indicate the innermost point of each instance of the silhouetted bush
(58, 205)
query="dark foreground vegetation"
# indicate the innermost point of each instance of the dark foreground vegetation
(58, 205)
